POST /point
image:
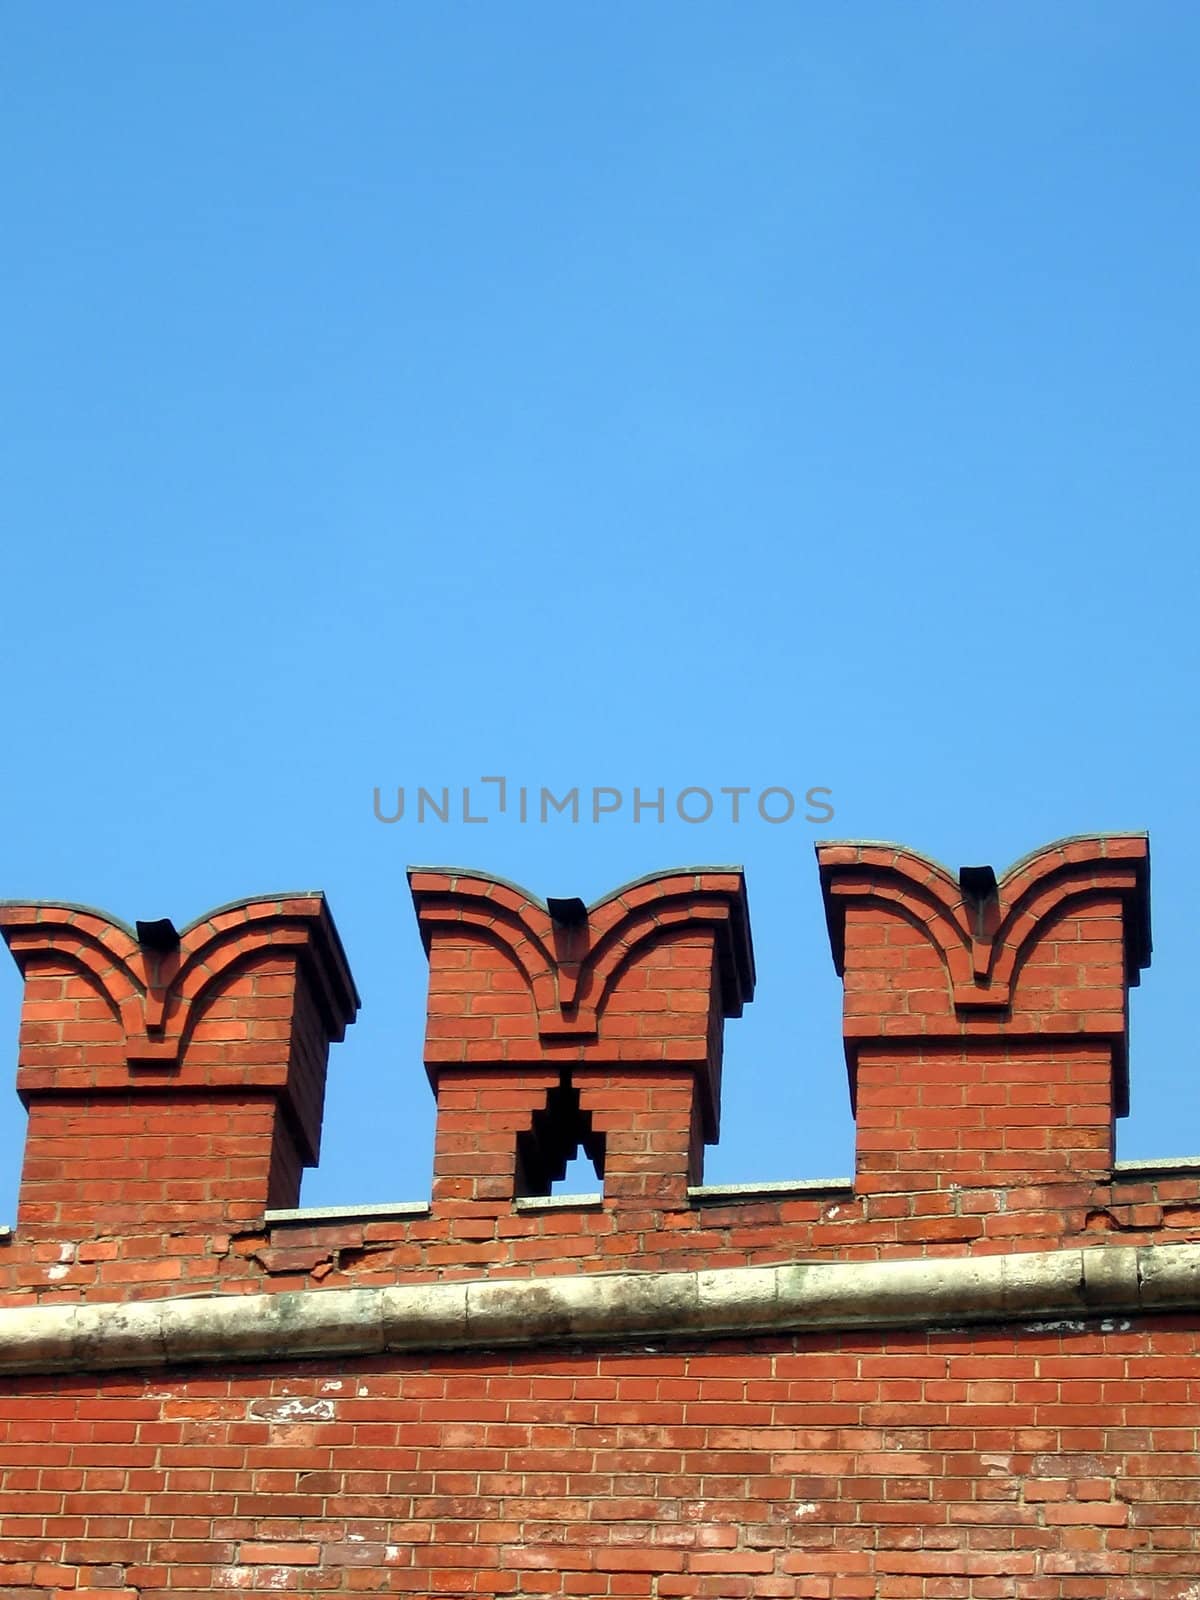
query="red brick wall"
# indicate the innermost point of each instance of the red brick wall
(986, 1049)
(1040, 1463)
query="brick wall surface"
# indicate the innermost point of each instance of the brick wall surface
(174, 1096)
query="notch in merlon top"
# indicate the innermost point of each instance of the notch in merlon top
(569, 913)
(161, 936)
(981, 900)
(977, 883)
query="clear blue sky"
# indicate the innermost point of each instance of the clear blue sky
(598, 394)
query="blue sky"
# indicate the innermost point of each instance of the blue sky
(668, 395)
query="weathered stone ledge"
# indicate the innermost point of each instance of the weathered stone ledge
(920, 1292)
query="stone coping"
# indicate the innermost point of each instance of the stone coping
(699, 1194)
(1156, 1167)
(388, 1208)
(920, 1292)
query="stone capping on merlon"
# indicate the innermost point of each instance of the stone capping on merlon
(939, 1294)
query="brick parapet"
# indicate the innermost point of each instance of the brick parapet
(509, 1393)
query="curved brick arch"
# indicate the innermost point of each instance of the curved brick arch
(301, 925)
(1043, 884)
(919, 888)
(28, 926)
(667, 904)
(449, 901)
(94, 945)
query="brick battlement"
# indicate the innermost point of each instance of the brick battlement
(175, 1084)
(967, 1371)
